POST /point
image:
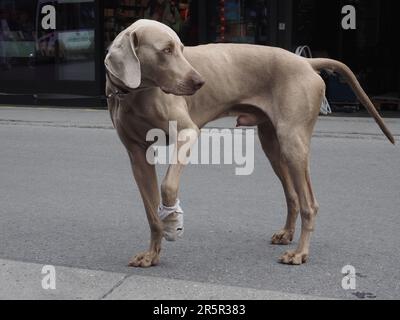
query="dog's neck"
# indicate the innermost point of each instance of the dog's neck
(121, 90)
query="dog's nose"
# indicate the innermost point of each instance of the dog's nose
(198, 83)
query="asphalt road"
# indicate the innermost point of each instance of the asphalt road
(68, 199)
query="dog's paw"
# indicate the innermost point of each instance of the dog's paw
(294, 258)
(173, 227)
(283, 237)
(145, 260)
(172, 218)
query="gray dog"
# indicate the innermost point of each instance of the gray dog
(152, 79)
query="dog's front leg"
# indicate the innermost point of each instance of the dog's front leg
(171, 211)
(146, 179)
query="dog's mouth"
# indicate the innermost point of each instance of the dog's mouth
(167, 91)
(181, 89)
(186, 92)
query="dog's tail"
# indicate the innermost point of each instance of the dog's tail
(343, 70)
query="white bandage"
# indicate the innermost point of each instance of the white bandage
(172, 217)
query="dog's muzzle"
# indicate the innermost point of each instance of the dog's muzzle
(172, 217)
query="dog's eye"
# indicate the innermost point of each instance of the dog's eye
(167, 50)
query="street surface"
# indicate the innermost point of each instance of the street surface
(68, 200)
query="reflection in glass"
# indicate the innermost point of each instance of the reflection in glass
(243, 21)
(30, 50)
(180, 15)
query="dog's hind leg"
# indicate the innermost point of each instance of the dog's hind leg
(295, 145)
(270, 145)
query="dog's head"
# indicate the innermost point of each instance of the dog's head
(151, 52)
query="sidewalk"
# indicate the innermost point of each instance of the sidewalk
(23, 281)
(88, 118)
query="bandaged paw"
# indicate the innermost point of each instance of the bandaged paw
(172, 217)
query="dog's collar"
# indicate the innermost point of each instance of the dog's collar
(119, 92)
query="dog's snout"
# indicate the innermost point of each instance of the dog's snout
(197, 82)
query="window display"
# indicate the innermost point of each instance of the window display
(32, 48)
(118, 15)
(243, 21)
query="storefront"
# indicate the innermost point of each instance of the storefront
(40, 59)
(370, 50)
(177, 14)
(37, 58)
(246, 21)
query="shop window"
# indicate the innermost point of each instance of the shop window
(370, 50)
(31, 50)
(243, 21)
(119, 15)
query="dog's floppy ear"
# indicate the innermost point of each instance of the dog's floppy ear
(122, 61)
